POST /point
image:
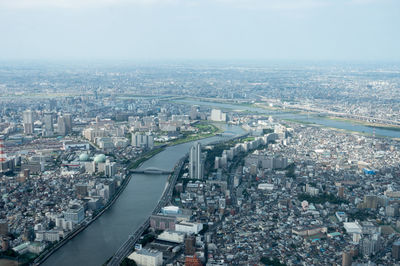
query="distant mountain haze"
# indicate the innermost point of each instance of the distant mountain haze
(206, 29)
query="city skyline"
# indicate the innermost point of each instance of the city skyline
(199, 132)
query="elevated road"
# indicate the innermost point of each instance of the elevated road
(127, 247)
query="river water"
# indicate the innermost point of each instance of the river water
(100, 240)
(301, 117)
(103, 237)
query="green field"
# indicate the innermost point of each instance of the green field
(206, 130)
(144, 157)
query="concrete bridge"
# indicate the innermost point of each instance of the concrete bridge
(151, 171)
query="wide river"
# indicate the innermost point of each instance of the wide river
(301, 117)
(100, 240)
(103, 237)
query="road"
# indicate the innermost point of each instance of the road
(127, 247)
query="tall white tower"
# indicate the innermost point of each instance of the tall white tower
(27, 117)
(196, 162)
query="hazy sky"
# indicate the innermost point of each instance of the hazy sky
(200, 29)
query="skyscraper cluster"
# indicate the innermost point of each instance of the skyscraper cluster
(142, 140)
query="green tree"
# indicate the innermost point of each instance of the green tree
(128, 262)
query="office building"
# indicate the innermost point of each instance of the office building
(217, 115)
(396, 250)
(346, 259)
(194, 112)
(61, 126)
(48, 129)
(3, 227)
(196, 162)
(341, 192)
(190, 245)
(142, 140)
(68, 123)
(27, 117)
(147, 257)
(162, 222)
(75, 214)
(172, 236)
(110, 169)
(190, 228)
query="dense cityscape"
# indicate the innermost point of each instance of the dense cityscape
(232, 164)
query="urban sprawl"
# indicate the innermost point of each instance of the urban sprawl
(279, 191)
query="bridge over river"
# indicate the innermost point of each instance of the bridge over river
(151, 171)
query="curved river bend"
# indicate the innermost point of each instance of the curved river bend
(101, 239)
(346, 125)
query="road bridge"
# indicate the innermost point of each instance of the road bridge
(151, 171)
(128, 245)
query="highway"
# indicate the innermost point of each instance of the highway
(127, 247)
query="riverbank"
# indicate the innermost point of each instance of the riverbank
(299, 121)
(99, 241)
(368, 124)
(214, 130)
(133, 165)
(126, 248)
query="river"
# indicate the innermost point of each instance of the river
(99, 241)
(345, 125)
(103, 237)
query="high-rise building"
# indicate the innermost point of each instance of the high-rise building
(27, 117)
(6, 164)
(48, 124)
(3, 227)
(194, 112)
(110, 169)
(2, 152)
(370, 202)
(81, 190)
(75, 214)
(217, 115)
(68, 123)
(190, 245)
(163, 222)
(392, 210)
(61, 126)
(346, 259)
(396, 250)
(64, 123)
(196, 162)
(369, 245)
(142, 140)
(341, 192)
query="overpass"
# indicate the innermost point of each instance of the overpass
(151, 171)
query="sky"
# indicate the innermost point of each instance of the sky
(360, 30)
